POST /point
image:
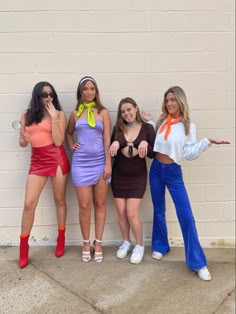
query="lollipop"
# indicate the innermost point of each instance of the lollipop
(16, 125)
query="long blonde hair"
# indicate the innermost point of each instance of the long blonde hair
(183, 104)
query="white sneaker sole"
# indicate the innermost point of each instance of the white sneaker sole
(157, 255)
(124, 255)
(205, 278)
(136, 262)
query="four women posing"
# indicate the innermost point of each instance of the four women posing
(43, 126)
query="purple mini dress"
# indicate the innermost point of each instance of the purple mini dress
(88, 161)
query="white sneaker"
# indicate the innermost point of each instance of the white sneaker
(137, 254)
(204, 273)
(124, 249)
(157, 255)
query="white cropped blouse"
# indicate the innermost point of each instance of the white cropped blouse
(178, 145)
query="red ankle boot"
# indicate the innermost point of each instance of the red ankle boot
(60, 243)
(24, 251)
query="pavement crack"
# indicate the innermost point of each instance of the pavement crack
(223, 301)
(82, 297)
(95, 278)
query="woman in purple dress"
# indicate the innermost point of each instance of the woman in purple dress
(91, 162)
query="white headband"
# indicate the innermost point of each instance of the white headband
(87, 78)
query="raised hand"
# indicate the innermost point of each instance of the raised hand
(51, 110)
(146, 116)
(25, 135)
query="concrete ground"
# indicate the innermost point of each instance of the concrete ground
(68, 285)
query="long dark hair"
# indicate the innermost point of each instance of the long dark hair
(80, 88)
(35, 111)
(120, 122)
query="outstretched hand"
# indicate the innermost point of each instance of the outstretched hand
(215, 141)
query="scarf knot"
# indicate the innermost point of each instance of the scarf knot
(167, 124)
(90, 113)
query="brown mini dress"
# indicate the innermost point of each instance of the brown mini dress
(129, 174)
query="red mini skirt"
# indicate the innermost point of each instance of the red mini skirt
(45, 160)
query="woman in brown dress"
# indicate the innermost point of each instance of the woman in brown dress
(132, 141)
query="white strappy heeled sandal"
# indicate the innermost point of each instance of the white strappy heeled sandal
(98, 256)
(86, 255)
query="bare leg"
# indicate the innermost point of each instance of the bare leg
(133, 218)
(59, 193)
(84, 196)
(122, 218)
(99, 199)
(34, 187)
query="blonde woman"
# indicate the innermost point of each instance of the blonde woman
(176, 139)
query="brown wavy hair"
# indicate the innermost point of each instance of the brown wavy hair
(120, 122)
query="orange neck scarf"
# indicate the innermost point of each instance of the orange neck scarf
(168, 124)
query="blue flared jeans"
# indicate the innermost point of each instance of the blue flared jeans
(170, 176)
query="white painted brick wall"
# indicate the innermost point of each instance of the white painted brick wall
(133, 48)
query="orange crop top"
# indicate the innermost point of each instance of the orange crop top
(40, 133)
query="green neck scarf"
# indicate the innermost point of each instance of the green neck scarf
(90, 114)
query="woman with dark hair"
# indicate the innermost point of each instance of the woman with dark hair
(176, 139)
(132, 141)
(91, 162)
(43, 127)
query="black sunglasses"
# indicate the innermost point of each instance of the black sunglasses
(45, 95)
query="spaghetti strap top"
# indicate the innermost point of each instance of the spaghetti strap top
(40, 133)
